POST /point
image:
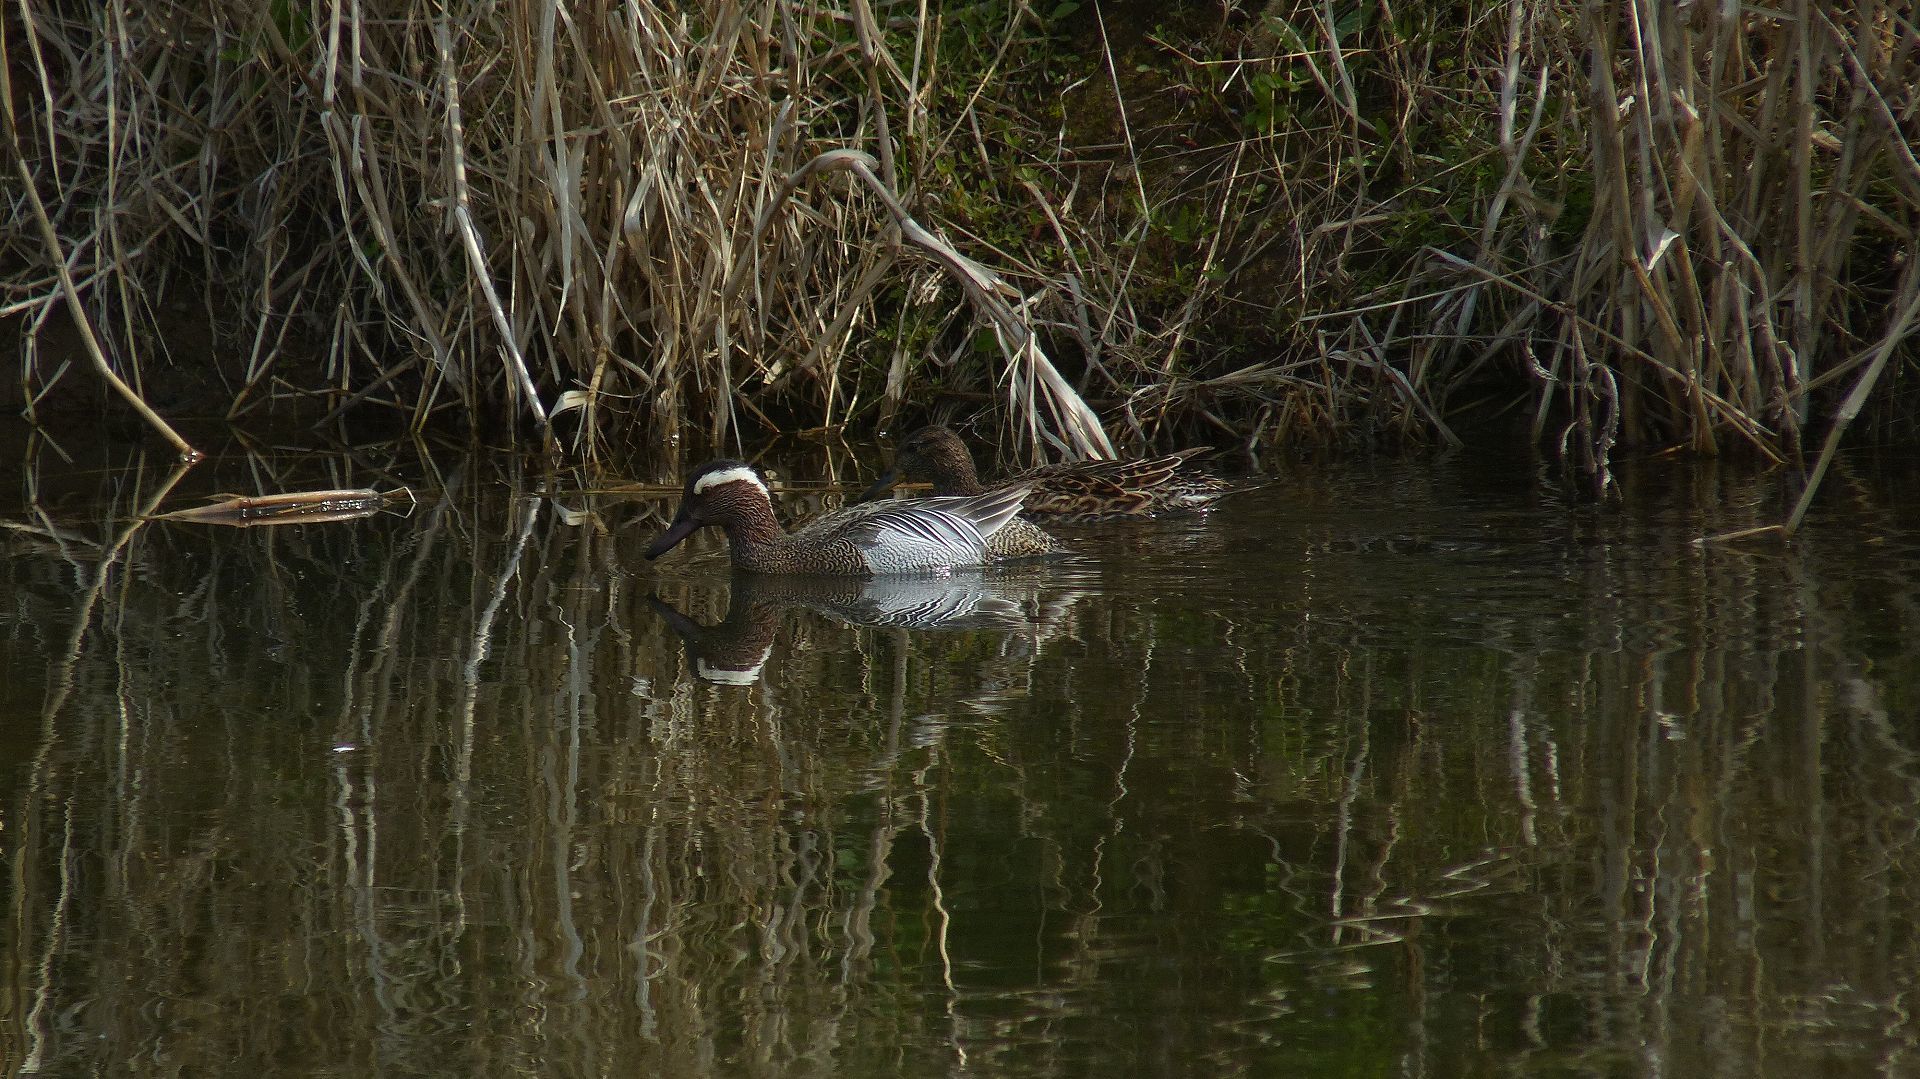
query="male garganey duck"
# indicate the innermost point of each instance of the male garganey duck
(907, 536)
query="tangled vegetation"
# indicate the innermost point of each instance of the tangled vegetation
(1649, 225)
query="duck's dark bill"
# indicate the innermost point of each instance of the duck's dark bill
(880, 486)
(682, 527)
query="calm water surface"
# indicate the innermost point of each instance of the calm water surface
(1395, 770)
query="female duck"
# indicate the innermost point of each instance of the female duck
(910, 536)
(1090, 490)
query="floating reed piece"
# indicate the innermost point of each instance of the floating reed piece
(1652, 224)
(293, 507)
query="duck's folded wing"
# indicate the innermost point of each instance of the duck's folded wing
(988, 512)
(917, 526)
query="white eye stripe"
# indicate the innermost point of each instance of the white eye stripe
(728, 475)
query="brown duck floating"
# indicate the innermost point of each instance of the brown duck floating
(1086, 491)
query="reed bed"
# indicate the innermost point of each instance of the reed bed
(1644, 225)
(1686, 224)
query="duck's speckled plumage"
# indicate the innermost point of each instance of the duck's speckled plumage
(1021, 538)
(1090, 490)
(911, 536)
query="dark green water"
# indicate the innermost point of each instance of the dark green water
(1407, 770)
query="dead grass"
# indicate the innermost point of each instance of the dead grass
(1687, 221)
(1650, 225)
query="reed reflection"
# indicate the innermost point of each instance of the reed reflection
(1379, 768)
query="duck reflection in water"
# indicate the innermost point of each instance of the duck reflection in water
(733, 651)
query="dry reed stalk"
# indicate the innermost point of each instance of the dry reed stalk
(77, 310)
(68, 292)
(521, 383)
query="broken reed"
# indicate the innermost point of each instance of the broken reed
(1652, 224)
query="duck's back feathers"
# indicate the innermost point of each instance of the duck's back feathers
(1087, 491)
(1093, 490)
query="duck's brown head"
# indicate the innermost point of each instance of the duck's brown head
(930, 455)
(726, 493)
